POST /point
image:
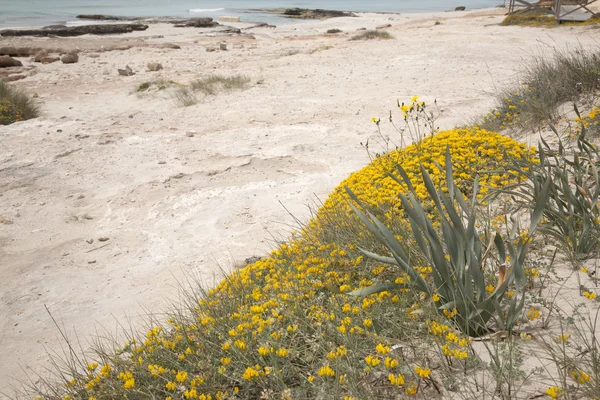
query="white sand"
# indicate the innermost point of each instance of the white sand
(287, 140)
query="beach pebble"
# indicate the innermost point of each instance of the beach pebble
(154, 66)
(70, 58)
(223, 46)
(49, 60)
(126, 72)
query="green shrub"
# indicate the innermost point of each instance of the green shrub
(15, 105)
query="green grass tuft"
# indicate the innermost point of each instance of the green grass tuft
(16, 105)
(370, 35)
(211, 85)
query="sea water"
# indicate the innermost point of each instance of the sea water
(48, 12)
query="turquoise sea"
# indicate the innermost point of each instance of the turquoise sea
(47, 12)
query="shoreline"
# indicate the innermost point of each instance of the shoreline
(114, 18)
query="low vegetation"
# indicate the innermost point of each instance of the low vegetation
(372, 34)
(332, 31)
(414, 279)
(552, 79)
(543, 17)
(16, 105)
(211, 85)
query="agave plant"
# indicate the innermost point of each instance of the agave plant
(458, 255)
(572, 214)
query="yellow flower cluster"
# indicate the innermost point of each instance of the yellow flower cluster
(9, 112)
(289, 315)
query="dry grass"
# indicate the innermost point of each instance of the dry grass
(370, 35)
(209, 86)
(16, 105)
(552, 79)
(542, 17)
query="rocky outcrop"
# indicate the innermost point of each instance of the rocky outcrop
(196, 23)
(66, 31)
(304, 13)
(102, 17)
(7, 61)
(18, 51)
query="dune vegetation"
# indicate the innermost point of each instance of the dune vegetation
(426, 274)
(15, 105)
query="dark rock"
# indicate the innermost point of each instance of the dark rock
(65, 31)
(196, 23)
(49, 60)
(70, 58)
(383, 26)
(154, 66)
(101, 17)
(7, 61)
(460, 8)
(127, 71)
(252, 260)
(231, 30)
(261, 25)
(304, 13)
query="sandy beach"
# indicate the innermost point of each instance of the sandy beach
(112, 198)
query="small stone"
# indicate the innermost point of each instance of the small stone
(223, 46)
(178, 176)
(190, 133)
(252, 260)
(70, 58)
(460, 8)
(383, 26)
(126, 72)
(103, 239)
(162, 162)
(90, 241)
(5, 220)
(153, 66)
(49, 60)
(549, 250)
(92, 262)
